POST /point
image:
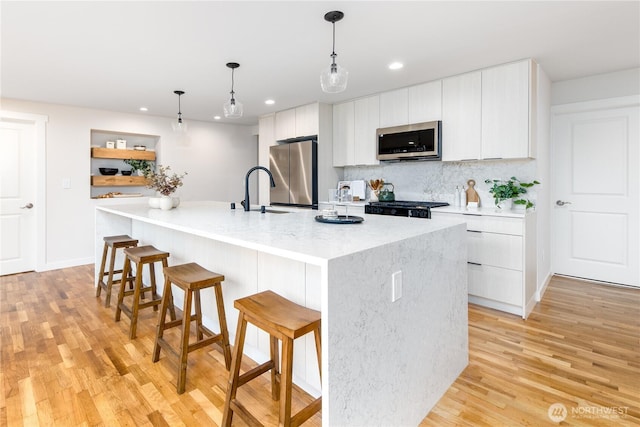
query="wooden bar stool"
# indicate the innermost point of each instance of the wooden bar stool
(114, 243)
(141, 255)
(191, 278)
(285, 321)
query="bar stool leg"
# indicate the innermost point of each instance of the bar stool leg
(125, 272)
(285, 382)
(101, 274)
(136, 298)
(275, 372)
(184, 352)
(154, 291)
(167, 300)
(234, 373)
(112, 263)
(199, 334)
(316, 334)
(222, 320)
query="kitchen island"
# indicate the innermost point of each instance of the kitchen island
(384, 362)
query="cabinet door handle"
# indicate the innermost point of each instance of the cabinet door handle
(473, 263)
(468, 214)
(474, 231)
(492, 158)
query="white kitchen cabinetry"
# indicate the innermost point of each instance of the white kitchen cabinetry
(297, 122)
(394, 108)
(312, 119)
(462, 117)
(490, 114)
(425, 102)
(354, 132)
(508, 108)
(286, 124)
(343, 134)
(501, 260)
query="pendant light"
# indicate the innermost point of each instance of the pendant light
(232, 108)
(179, 126)
(333, 79)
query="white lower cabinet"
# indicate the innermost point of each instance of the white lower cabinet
(501, 254)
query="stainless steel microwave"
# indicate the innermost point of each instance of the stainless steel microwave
(419, 141)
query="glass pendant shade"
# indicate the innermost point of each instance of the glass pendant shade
(179, 125)
(232, 109)
(333, 79)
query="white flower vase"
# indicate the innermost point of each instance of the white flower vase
(176, 201)
(166, 203)
(154, 202)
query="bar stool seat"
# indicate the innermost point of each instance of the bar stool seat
(114, 243)
(285, 321)
(191, 278)
(141, 256)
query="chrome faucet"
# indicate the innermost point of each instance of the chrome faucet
(247, 204)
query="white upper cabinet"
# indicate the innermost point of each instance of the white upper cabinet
(462, 117)
(507, 102)
(367, 122)
(343, 134)
(425, 102)
(307, 120)
(394, 108)
(286, 124)
(296, 122)
(354, 132)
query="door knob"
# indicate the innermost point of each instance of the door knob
(27, 206)
(562, 203)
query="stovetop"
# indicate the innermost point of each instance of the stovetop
(409, 204)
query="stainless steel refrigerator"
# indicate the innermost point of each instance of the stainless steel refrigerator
(294, 166)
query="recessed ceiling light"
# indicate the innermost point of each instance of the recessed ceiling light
(144, 109)
(216, 117)
(269, 102)
(396, 65)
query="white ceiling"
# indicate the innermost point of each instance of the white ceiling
(123, 55)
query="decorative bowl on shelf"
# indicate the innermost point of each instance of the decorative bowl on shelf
(108, 171)
(126, 173)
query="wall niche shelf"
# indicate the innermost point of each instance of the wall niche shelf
(103, 157)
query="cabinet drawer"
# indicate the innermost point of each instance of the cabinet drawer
(494, 283)
(498, 250)
(494, 224)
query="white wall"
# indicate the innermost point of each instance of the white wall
(600, 86)
(216, 157)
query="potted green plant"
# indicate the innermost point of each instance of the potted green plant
(510, 190)
(144, 167)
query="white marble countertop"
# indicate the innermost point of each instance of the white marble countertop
(295, 235)
(484, 211)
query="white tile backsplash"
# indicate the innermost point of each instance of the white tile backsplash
(435, 180)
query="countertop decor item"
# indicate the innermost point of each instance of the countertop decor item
(164, 182)
(232, 108)
(340, 219)
(511, 190)
(333, 79)
(178, 126)
(108, 171)
(126, 173)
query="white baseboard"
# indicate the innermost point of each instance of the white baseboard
(67, 263)
(541, 290)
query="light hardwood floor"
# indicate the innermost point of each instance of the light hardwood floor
(65, 362)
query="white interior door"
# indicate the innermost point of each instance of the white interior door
(17, 197)
(595, 162)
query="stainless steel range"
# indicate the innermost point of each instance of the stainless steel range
(403, 208)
